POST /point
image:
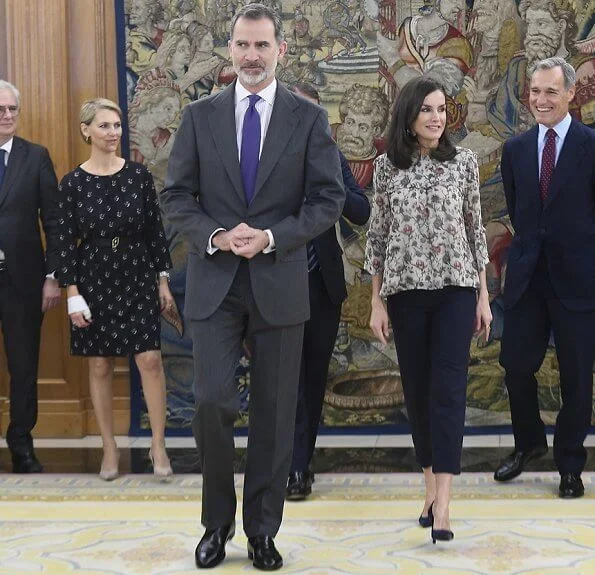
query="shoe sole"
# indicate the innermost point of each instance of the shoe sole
(563, 496)
(297, 496)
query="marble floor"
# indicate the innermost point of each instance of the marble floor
(360, 520)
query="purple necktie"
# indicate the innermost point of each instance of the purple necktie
(548, 161)
(250, 151)
(2, 166)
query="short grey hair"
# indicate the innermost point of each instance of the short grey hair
(256, 11)
(4, 85)
(557, 62)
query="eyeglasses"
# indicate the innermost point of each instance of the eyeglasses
(14, 110)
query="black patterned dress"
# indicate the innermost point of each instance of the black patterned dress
(112, 246)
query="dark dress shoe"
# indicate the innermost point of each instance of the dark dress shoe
(428, 520)
(210, 550)
(515, 463)
(571, 486)
(25, 462)
(263, 554)
(442, 535)
(299, 486)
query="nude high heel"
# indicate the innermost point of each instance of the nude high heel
(109, 474)
(163, 473)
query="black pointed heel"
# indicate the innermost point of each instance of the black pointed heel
(428, 521)
(442, 535)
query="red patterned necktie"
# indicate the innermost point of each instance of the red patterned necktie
(548, 162)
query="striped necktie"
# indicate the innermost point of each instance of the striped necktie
(312, 256)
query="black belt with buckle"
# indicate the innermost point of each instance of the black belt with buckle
(114, 242)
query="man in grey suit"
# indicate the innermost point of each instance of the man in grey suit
(28, 191)
(253, 176)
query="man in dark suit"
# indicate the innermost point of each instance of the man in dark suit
(247, 222)
(28, 190)
(549, 182)
(326, 282)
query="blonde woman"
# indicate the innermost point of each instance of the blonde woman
(113, 261)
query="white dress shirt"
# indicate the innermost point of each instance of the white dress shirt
(7, 147)
(264, 107)
(561, 130)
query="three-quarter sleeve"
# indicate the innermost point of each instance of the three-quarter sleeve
(378, 231)
(472, 215)
(66, 232)
(153, 230)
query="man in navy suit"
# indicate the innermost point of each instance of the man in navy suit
(549, 182)
(28, 193)
(326, 283)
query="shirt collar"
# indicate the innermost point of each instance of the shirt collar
(267, 94)
(561, 128)
(7, 146)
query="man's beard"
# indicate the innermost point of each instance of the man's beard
(252, 79)
(539, 47)
(353, 147)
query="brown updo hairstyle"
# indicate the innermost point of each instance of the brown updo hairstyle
(89, 110)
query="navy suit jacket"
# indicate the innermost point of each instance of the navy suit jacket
(562, 230)
(357, 210)
(28, 192)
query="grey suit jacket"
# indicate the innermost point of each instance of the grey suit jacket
(29, 191)
(298, 195)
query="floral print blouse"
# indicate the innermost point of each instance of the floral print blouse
(426, 230)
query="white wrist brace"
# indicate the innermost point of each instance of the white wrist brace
(77, 303)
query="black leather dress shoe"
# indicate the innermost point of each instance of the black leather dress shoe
(571, 486)
(210, 550)
(515, 463)
(25, 462)
(264, 555)
(299, 486)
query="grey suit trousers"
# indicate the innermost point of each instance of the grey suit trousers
(275, 365)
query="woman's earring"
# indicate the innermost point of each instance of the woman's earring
(410, 133)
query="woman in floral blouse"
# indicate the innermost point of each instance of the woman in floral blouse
(426, 252)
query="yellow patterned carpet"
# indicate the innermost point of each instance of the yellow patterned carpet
(360, 524)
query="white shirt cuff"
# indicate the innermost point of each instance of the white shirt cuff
(271, 247)
(211, 249)
(51, 276)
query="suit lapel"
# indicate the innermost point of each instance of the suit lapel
(15, 163)
(223, 127)
(570, 156)
(281, 127)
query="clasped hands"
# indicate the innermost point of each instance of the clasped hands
(242, 240)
